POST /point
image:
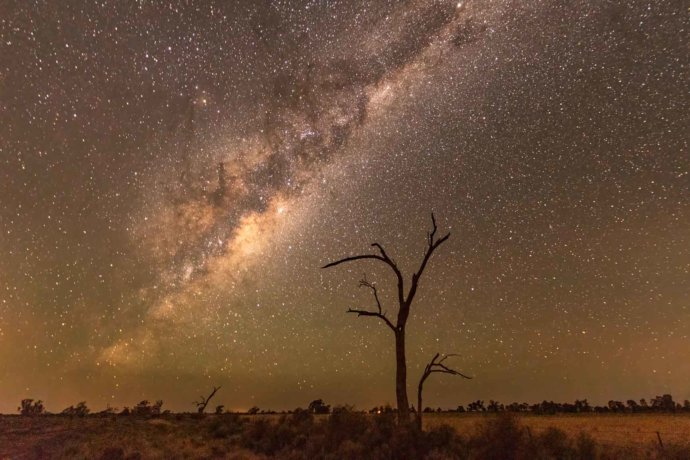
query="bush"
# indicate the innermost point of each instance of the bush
(79, 411)
(29, 407)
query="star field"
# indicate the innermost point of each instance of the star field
(173, 176)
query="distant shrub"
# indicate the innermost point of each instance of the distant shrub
(319, 407)
(80, 410)
(145, 409)
(29, 407)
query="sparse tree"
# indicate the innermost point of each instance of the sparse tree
(219, 409)
(203, 402)
(663, 403)
(581, 405)
(253, 411)
(145, 409)
(476, 406)
(435, 366)
(29, 407)
(318, 407)
(405, 299)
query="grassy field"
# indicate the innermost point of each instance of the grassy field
(229, 436)
(619, 430)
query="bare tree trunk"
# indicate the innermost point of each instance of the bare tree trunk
(404, 303)
(401, 377)
(419, 405)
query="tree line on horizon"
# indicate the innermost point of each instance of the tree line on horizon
(658, 404)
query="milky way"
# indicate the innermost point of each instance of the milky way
(173, 176)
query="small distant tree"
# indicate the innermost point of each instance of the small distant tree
(644, 407)
(29, 408)
(664, 403)
(253, 411)
(145, 409)
(219, 409)
(581, 405)
(203, 402)
(616, 406)
(494, 406)
(476, 406)
(318, 407)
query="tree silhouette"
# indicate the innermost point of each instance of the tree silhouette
(145, 409)
(435, 366)
(29, 407)
(404, 304)
(318, 407)
(203, 402)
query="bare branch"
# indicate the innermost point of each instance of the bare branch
(438, 366)
(364, 283)
(372, 313)
(432, 245)
(383, 258)
(447, 356)
(350, 259)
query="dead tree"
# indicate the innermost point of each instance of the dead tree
(435, 365)
(203, 402)
(405, 299)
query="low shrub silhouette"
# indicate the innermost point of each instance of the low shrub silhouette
(146, 409)
(347, 434)
(29, 407)
(80, 410)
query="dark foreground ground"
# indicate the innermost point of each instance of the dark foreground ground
(344, 435)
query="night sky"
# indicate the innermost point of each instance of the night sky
(173, 177)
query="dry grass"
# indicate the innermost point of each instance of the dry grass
(133, 438)
(615, 430)
(233, 437)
